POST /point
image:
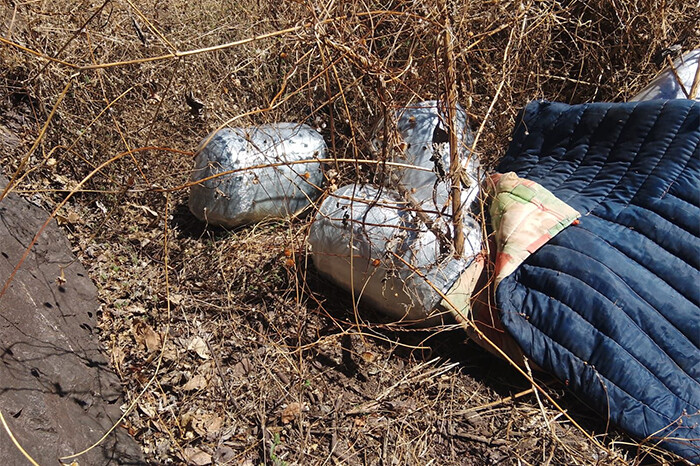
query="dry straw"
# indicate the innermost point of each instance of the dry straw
(97, 94)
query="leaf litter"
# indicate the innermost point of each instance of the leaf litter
(264, 362)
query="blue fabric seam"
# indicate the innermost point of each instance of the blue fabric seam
(579, 116)
(624, 313)
(569, 136)
(662, 217)
(670, 423)
(675, 136)
(568, 351)
(600, 168)
(591, 132)
(639, 232)
(607, 337)
(651, 241)
(640, 185)
(695, 153)
(680, 199)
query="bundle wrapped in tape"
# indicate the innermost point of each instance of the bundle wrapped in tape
(675, 83)
(280, 187)
(370, 241)
(422, 139)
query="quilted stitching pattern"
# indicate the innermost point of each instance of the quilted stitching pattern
(611, 305)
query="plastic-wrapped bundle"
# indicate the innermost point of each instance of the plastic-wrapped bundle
(423, 141)
(363, 238)
(666, 86)
(247, 196)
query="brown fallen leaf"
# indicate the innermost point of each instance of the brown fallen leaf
(135, 309)
(368, 356)
(71, 218)
(148, 409)
(118, 356)
(291, 412)
(199, 346)
(206, 423)
(197, 457)
(176, 299)
(146, 336)
(198, 382)
(172, 379)
(170, 353)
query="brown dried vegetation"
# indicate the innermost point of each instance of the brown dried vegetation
(231, 349)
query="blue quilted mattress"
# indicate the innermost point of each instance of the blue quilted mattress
(611, 305)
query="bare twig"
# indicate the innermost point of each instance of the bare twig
(455, 162)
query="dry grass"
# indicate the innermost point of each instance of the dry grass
(259, 360)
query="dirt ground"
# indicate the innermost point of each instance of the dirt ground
(230, 347)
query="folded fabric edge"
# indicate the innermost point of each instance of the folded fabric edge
(524, 217)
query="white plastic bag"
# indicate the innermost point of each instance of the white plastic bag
(367, 239)
(251, 195)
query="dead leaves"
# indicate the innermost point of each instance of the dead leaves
(197, 382)
(71, 217)
(292, 411)
(199, 346)
(197, 457)
(203, 423)
(201, 378)
(145, 336)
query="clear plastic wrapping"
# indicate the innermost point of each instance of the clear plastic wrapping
(422, 139)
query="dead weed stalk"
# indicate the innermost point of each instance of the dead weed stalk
(289, 370)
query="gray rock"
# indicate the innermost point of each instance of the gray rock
(57, 392)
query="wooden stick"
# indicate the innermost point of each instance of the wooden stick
(455, 163)
(696, 84)
(495, 403)
(678, 78)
